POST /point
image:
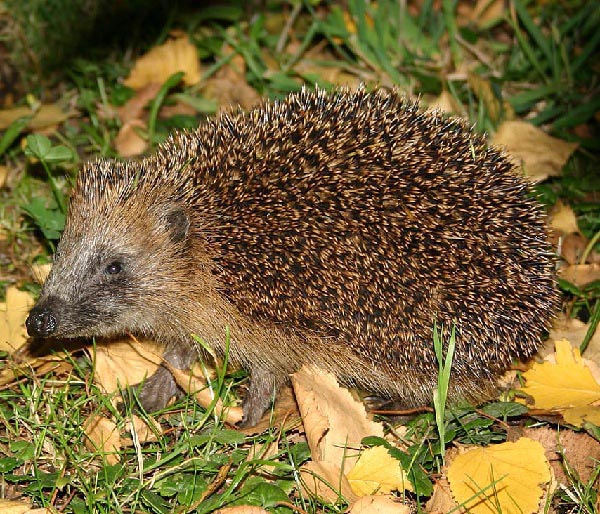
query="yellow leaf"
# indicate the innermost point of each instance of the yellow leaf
(542, 155)
(577, 416)
(503, 478)
(377, 472)
(13, 314)
(568, 383)
(162, 61)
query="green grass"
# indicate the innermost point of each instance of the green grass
(542, 60)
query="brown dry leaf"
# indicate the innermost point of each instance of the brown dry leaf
(103, 436)
(163, 61)
(446, 103)
(516, 470)
(572, 248)
(134, 107)
(325, 479)
(496, 108)
(3, 175)
(48, 115)
(40, 272)
(486, 12)
(541, 155)
(581, 274)
(197, 386)
(228, 87)
(13, 313)
(377, 472)
(573, 330)
(565, 384)
(125, 362)
(13, 507)
(147, 432)
(333, 419)
(379, 505)
(441, 501)
(230, 93)
(580, 451)
(129, 142)
(563, 219)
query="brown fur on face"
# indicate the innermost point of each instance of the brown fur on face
(326, 228)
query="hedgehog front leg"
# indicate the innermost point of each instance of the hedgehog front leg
(160, 387)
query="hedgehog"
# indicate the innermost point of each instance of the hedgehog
(328, 228)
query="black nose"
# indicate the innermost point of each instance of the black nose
(41, 322)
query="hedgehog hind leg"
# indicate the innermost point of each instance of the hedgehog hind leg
(262, 389)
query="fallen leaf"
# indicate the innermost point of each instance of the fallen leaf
(379, 505)
(40, 272)
(446, 103)
(578, 450)
(487, 12)
(441, 501)
(13, 507)
(133, 109)
(129, 142)
(572, 248)
(229, 87)
(496, 108)
(162, 61)
(503, 478)
(565, 384)
(581, 274)
(47, 115)
(574, 331)
(196, 385)
(563, 219)
(540, 155)
(13, 313)
(3, 175)
(577, 416)
(377, 472)
(333, 419)
(125, 362)
(103, 436)
(146, 431)
(325, 480)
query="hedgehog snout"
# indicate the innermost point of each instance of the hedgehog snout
(42, 321)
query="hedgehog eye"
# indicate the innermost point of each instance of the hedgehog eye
(114, 268)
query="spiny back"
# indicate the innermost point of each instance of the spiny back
(360, 218)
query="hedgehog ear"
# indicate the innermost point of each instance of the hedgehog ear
(178, 224)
